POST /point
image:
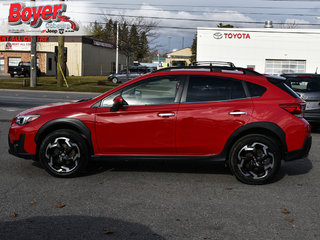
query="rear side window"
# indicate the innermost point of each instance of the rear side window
(207, 89)
(255, 90)
(304, 84)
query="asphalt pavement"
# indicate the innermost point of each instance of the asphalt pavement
(152, 199)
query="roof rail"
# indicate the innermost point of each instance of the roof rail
(213, 63)
(212, 68)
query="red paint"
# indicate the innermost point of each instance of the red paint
(195, 129)
(34, 16)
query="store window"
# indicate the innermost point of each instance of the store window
(278, 67)
(13, 62)
(1, 65)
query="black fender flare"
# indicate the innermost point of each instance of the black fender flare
(268, 127)
(73, 123)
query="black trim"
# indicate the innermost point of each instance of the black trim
(301, 153)
(269, 126)
(212, 69)
(17, 148)
(213, 158)
(76, 123)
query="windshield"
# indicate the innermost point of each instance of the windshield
(304, 84)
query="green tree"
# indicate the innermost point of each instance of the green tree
(143, 47)
(134, 36)
(221, 25)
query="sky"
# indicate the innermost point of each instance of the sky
(177, 20)
(175, 34)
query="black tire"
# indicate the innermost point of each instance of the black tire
(115, 80)
(11, 75)
(64, 153)
(255, 159)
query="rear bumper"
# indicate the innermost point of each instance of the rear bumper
(17, 148)
(301, 153)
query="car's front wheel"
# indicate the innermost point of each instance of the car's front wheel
(64, 153)
(255, 159)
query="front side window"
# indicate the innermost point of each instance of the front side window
(156, 91)
(208, 89)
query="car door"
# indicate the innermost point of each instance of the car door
(146, 126)
(211, 109)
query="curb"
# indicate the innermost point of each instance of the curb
(47, 91)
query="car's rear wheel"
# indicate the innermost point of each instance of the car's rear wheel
(255, 159)
(115, 80)
(64, 153)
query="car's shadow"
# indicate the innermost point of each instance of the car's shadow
(297, 167)
(293, 168)
(157, 166)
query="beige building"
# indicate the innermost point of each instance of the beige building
(179, 57)
(84, 56)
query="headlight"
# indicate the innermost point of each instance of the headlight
(22, 120)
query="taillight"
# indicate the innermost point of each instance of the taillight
(22, 69)
(294, 108)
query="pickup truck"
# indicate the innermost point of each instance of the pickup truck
(23, 68)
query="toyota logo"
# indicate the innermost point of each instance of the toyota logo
(217, 35)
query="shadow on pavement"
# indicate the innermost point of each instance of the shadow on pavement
(74, 227)
(158, 166)
(293, 168)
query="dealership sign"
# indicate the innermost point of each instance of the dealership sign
(18, 46)
(41, 18)
(219, 35)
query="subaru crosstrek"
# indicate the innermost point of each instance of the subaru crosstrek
(225, 114)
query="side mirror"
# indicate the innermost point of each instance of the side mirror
(118, 103)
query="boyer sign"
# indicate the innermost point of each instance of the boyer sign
(41, 18)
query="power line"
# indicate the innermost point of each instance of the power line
(193, 19)
(213, 12)
(203, 6)
(220, 29)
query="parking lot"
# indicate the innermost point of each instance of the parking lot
(156, 200)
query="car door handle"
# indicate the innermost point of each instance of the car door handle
(237, 113)
(166, 114)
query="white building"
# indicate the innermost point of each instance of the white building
(266, 50)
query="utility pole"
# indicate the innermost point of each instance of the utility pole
(60, 64)
(117, 49)
(33, 67)
(169, 44)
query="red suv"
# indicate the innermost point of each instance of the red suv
(224, 114)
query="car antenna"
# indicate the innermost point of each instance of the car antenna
(317, 70)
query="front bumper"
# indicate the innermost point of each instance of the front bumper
(301, 153)
(17, 148)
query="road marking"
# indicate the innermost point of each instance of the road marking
(10, 109)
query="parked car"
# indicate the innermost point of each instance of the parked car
(23, 69)
(308, 87)
(134, 72)
(248, 121)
